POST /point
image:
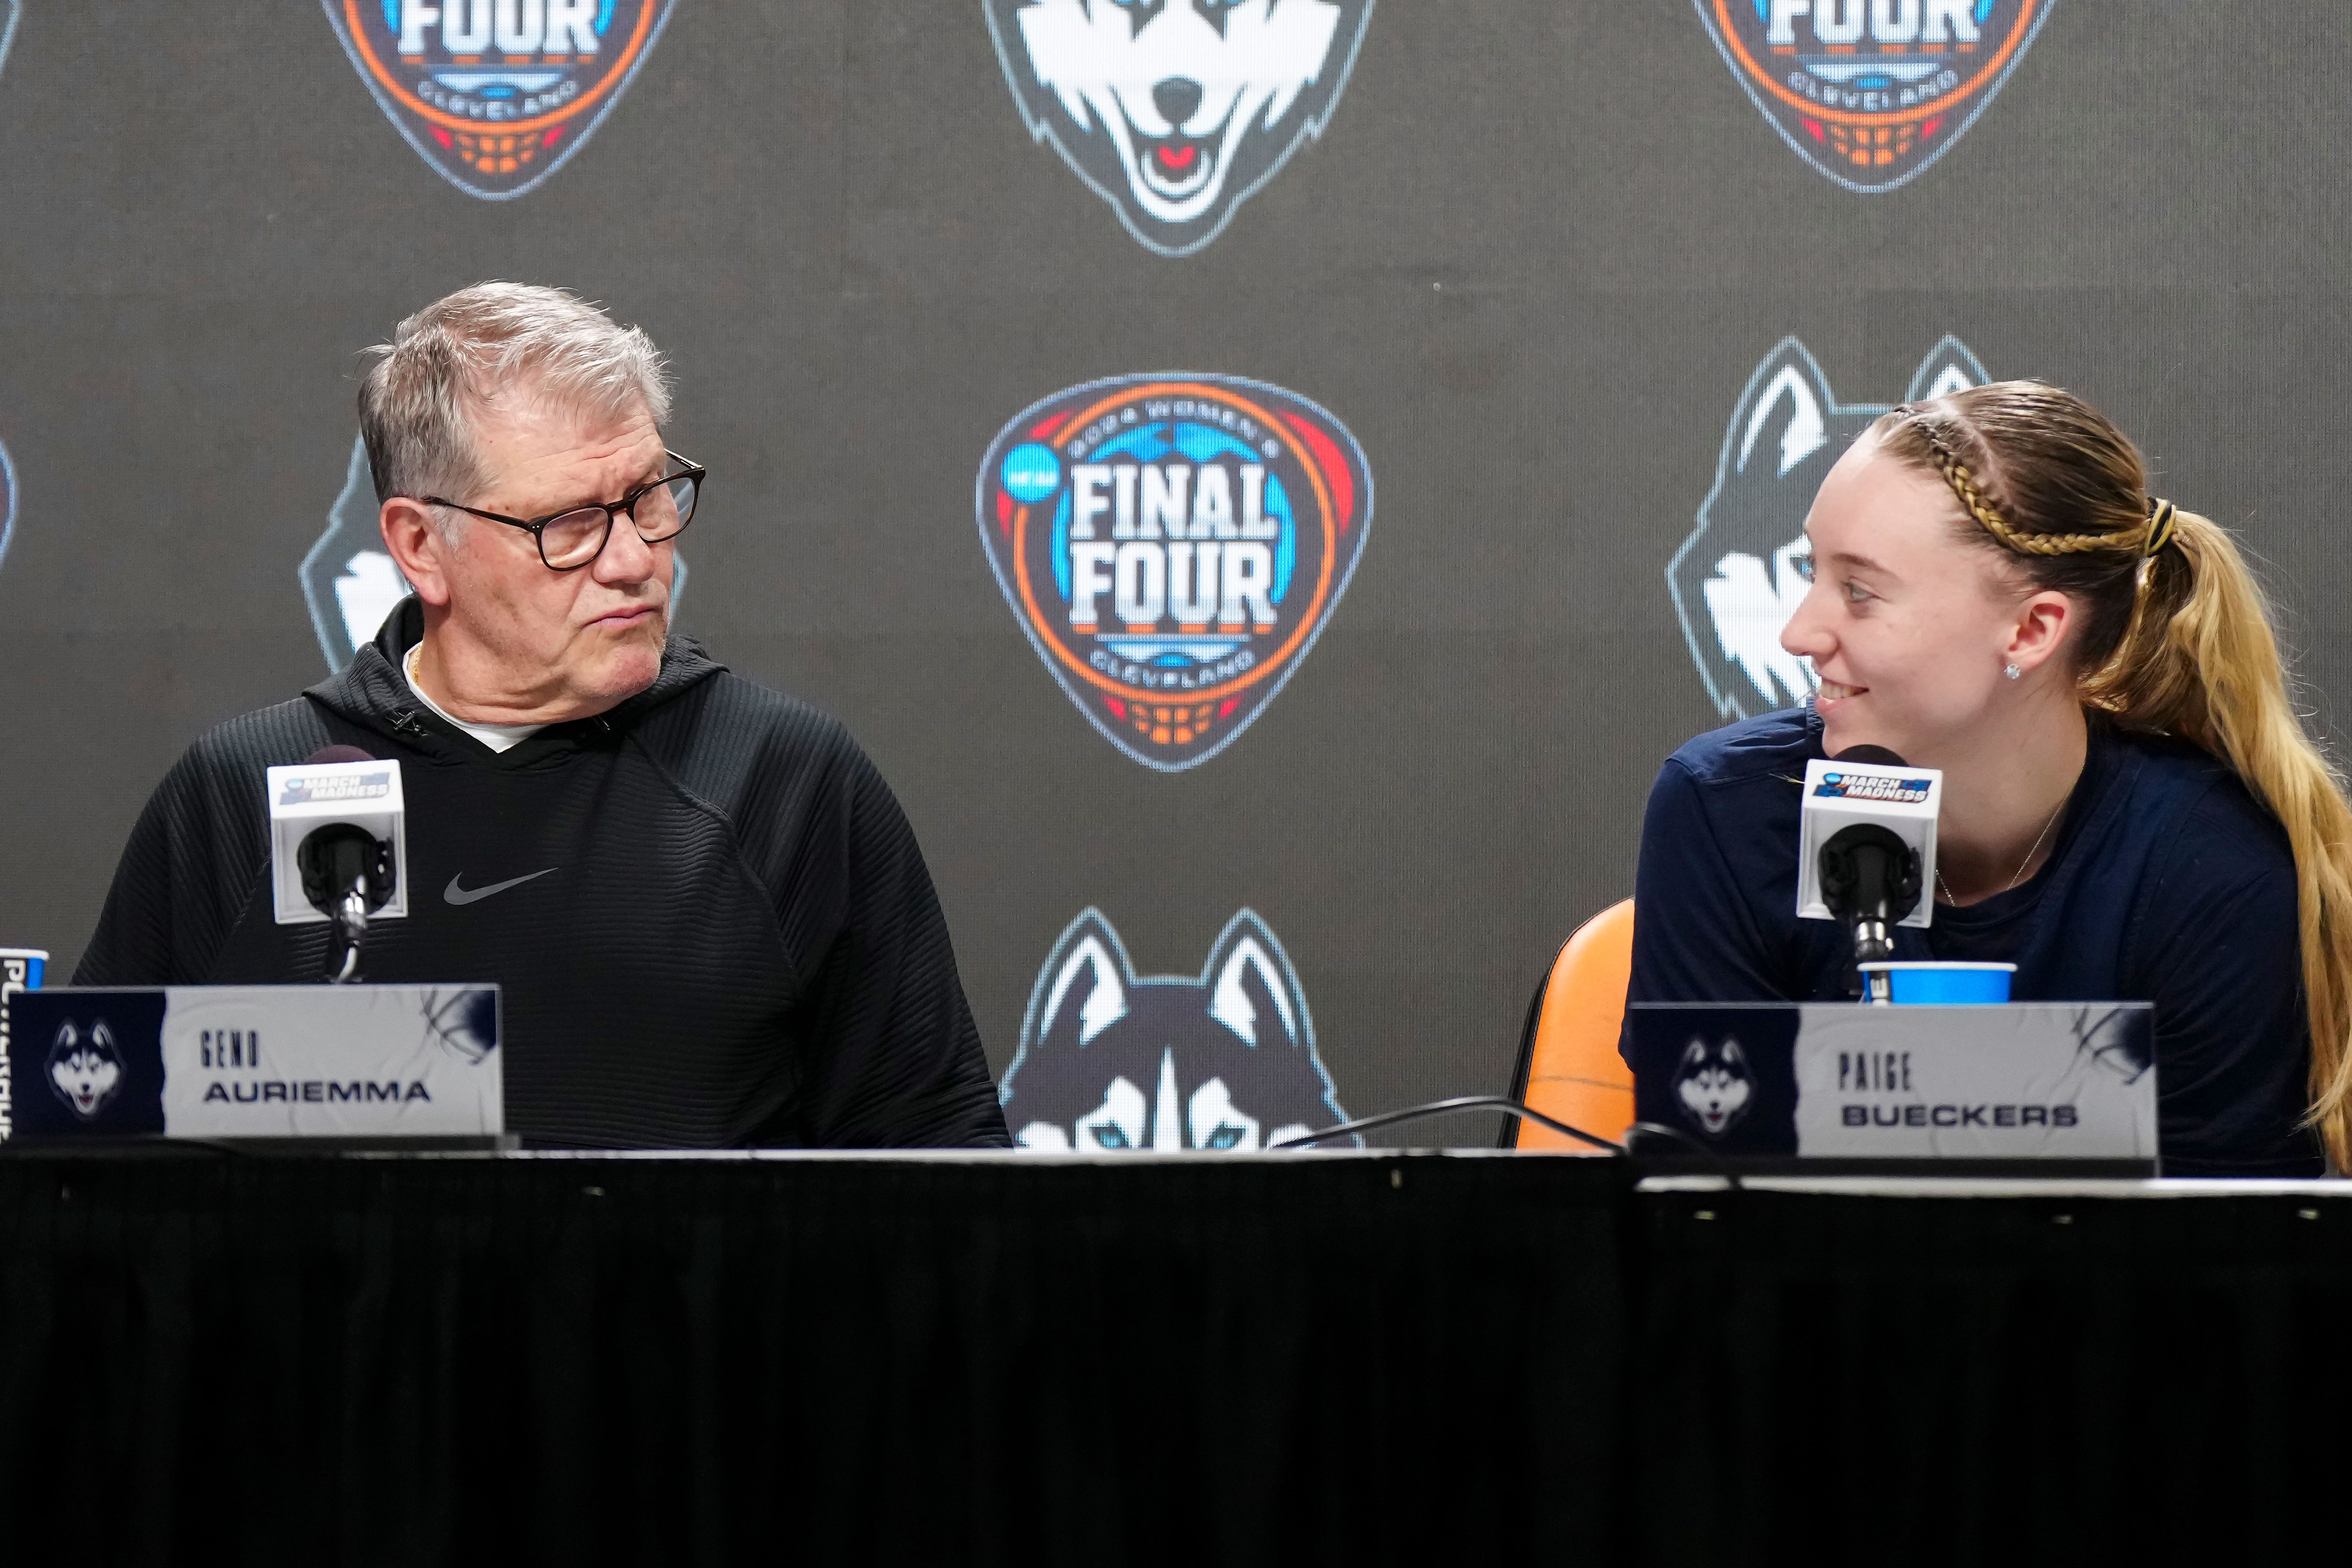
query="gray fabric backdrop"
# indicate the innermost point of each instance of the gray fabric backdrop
(1531, 262)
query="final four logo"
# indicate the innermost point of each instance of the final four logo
(1871, 92)
(1177, 110)
(497, 94)
(1174, 544)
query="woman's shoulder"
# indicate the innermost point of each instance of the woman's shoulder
(1770, 745)
(2196, 795)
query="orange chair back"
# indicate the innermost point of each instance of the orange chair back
(1570, 1068)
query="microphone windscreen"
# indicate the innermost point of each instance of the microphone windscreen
(1878, 754)
(337, 754)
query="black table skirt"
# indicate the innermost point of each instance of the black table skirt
(1375, 1358)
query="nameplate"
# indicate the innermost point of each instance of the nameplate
(359, 1062)
(2026, 1083)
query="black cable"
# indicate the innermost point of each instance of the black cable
(1445, 1107)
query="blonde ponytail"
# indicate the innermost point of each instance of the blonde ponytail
(2176, 639)
(2201, 662)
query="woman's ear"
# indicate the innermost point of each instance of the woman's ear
(417, 548)
(2044, 621)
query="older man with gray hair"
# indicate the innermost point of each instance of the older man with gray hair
(709, 916)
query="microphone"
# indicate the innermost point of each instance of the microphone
(338, 848)
(1866, 847)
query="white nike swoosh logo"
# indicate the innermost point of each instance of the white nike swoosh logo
(458, 895)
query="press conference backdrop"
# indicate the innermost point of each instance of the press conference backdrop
(1514, 335)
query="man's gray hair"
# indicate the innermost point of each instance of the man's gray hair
(464, 353)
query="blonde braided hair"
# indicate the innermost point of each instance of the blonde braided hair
(2140, 538)
(2176, 639)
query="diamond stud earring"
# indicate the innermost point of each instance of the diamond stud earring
(2011, 671)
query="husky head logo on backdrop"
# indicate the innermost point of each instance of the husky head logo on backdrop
(1177, 110)
(348, 577)
(85, 1071)
(1173, 545)
(349, 580)
(1744, 569)
(495, 95)
(1870, 92)
(1110, 1059)
(1713, 1085)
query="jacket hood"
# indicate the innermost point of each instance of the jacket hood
(372, 693)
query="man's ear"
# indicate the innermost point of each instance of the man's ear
(2044, 621)
(417, 548)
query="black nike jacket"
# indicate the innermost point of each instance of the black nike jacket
(717, 930)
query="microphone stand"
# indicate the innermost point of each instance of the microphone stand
(351, 922)
(347, 875)
(1870, 879)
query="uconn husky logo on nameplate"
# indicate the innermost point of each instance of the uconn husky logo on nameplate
(349, 580)
(1176, 112)
(95, 1053)
(1110, 1059)
(1870, 92)
(1744, 569)
(85, 1069)
(1713, 1085)
(1173, 545)
(497, 95)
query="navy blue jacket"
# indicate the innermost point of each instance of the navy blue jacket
(2169, 883)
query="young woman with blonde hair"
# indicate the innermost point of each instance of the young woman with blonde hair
(2132, 809)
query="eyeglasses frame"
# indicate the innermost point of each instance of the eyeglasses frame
(625, 507)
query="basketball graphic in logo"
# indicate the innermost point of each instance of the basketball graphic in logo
(495, 95)
(1174, 544)
(1871, 92)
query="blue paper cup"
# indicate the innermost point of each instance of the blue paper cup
(21, 968)
(1945, 984)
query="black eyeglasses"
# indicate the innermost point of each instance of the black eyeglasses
(570, 540)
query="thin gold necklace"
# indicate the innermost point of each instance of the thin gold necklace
(2022, 865)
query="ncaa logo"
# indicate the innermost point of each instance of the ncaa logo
(497, 95)
(1744, 568)
(349, 579)
(1175, 112)
(1870, 92)
(1174, 544)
